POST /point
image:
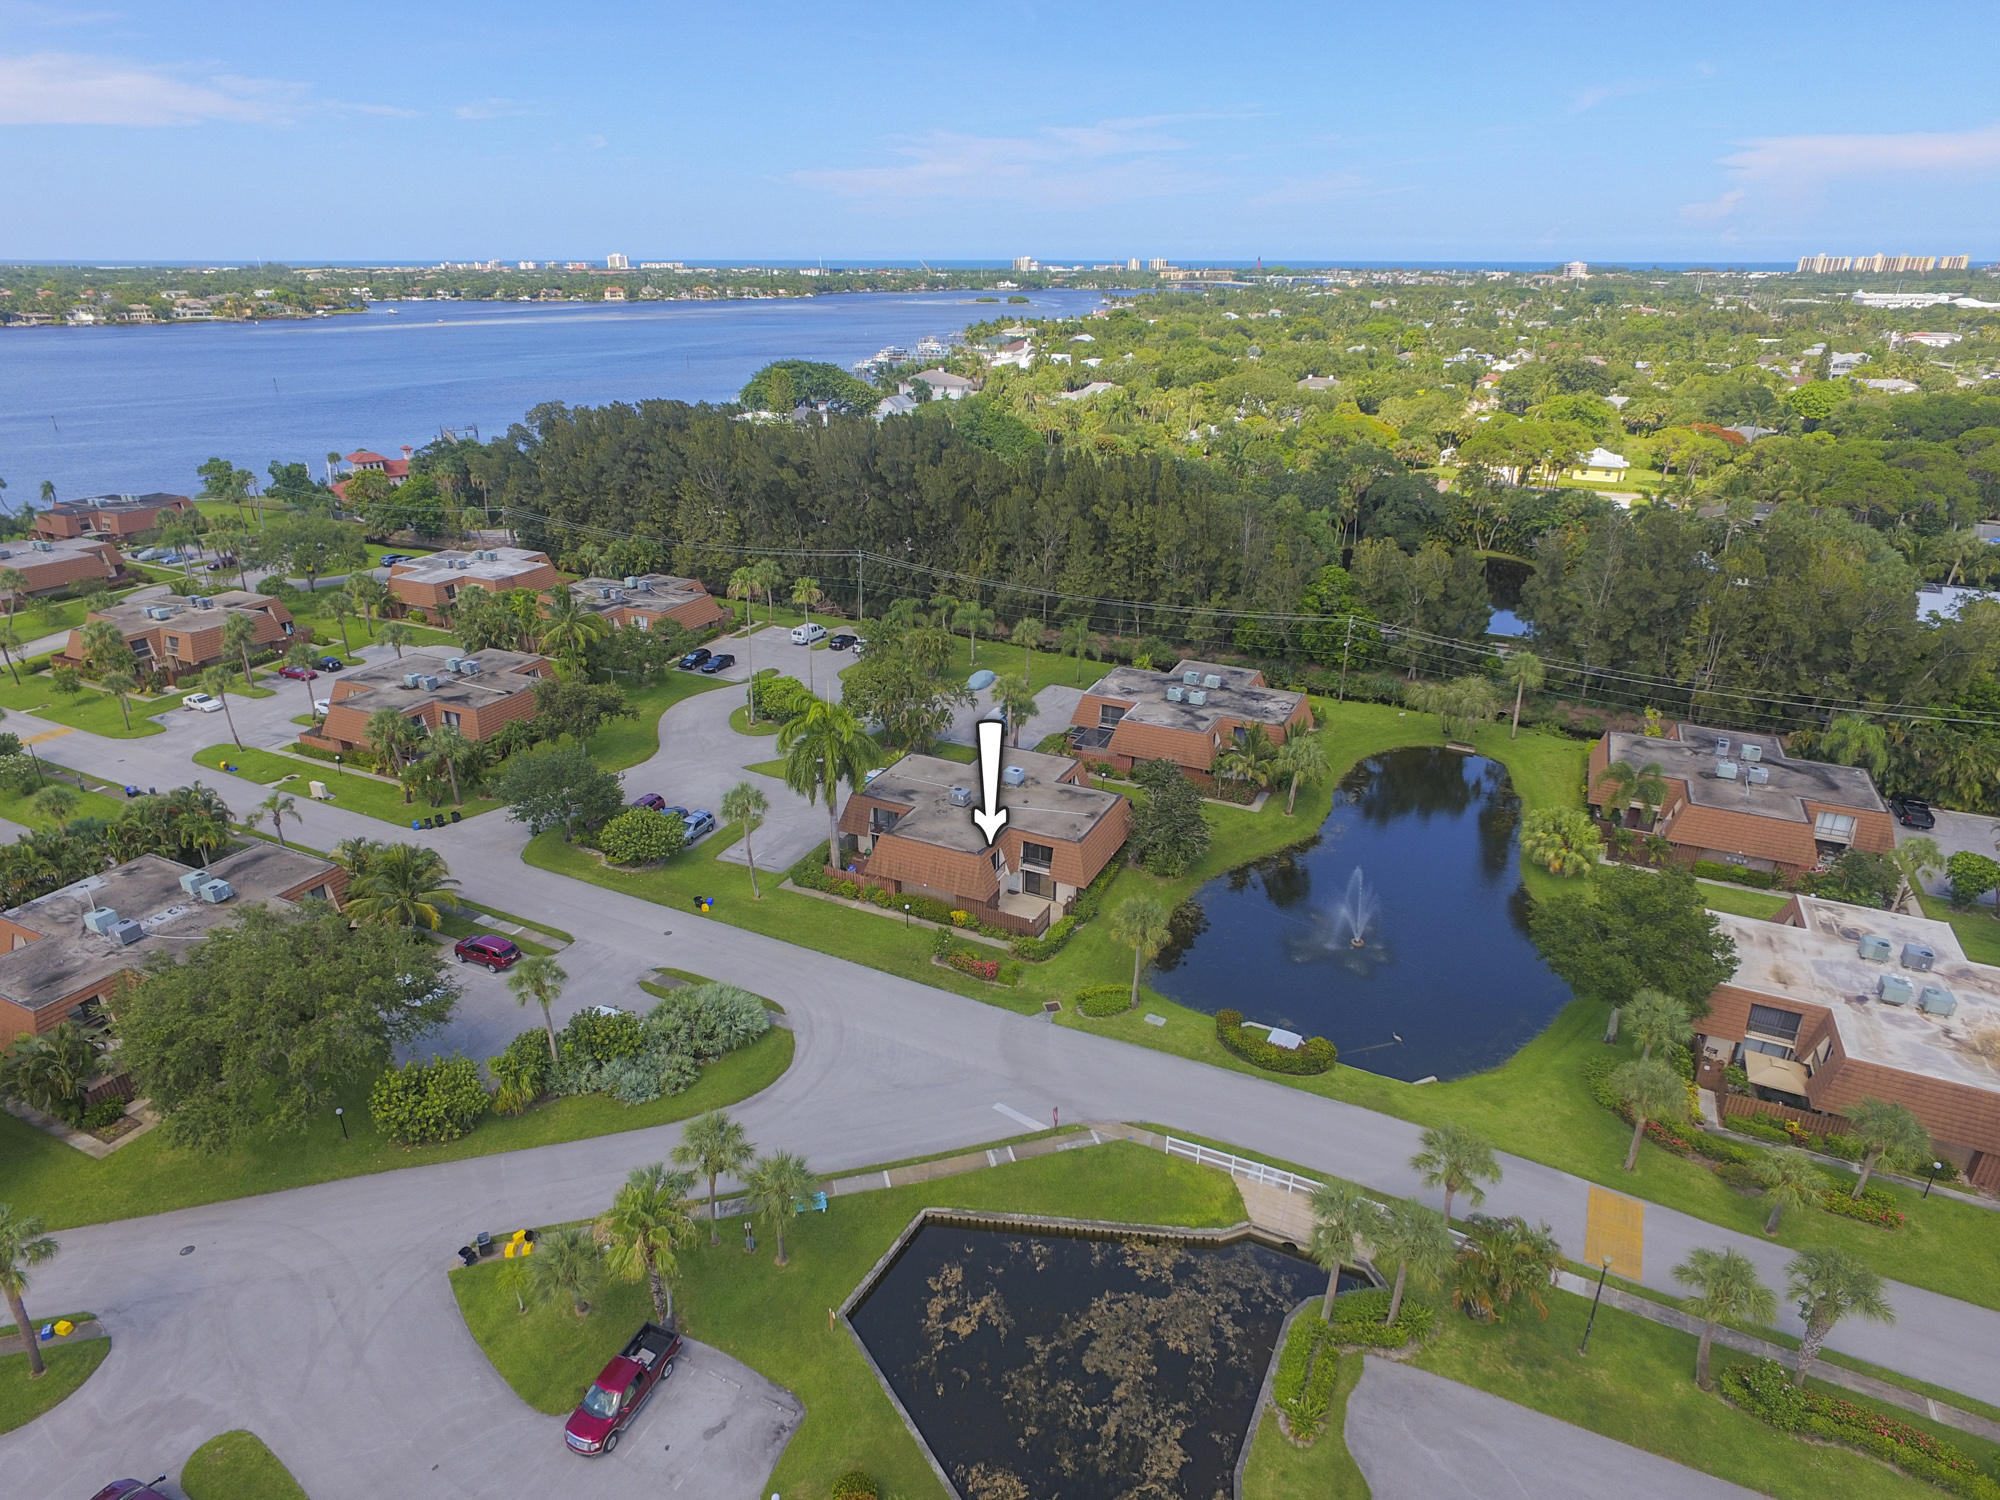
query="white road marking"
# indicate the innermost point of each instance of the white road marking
(1018, 1118)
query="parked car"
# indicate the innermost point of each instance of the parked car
(860, 644)
(672, 811)
(488, 949)
(322, 706)
(699, 824)
(132, 1489)
(329, 664)
(298, 674)
(621, 1389)
(220, 565)
(695, 658)
(651, 799)
(841, 642)
(721, 663)
(807, 635)
(390, 558)
(202, 703)
(1913, 812)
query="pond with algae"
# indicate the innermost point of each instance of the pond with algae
(1048, 1366)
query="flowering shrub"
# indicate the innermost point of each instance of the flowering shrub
(1870, 1208)
(960, 918)
(1763, 1390)
(978, 968)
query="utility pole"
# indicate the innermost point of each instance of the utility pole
(860, 598)
(1346, 648)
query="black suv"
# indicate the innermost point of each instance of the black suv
(1912, 812)
(695, 658)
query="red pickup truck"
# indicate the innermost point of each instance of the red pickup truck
(621, 1388)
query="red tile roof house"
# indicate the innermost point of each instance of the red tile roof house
(1739, 799)
(653, 596)
(1185, 716)
(913, 832)
(109, 515)
(1831, 1004)
(426, 586)
(63, 964)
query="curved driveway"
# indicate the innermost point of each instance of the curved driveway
(320, 1317)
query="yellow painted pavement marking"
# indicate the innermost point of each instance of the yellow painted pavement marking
(47, 735)
(1616, 1227)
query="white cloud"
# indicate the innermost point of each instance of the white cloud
(64, 88)
(1714, 209)
(1806, 160)
(1603, 93)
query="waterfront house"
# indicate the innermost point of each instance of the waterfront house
(476, 693)
(912, 832)
(1186, 716)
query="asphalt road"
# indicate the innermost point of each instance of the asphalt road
(322, 1317)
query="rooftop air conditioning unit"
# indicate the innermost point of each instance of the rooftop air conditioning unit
(1936, 1000)
(1211, 681)
(487, 556)
(4, 552)
(1725, 770)
(158, 612)
(1876, 949)
(617, 596)
(126, 933)
(1721, 747)
(1894, 989)
(468, 668)
(413, 679)
(215, 892)
(1918, 956)
(1757, 775)
(1753, 752)
(1192, 679)
(960, 796)
(194, 880)
(427, 682)
(45, 546)
(100, 919)
(453, 663)
(634, 581)
(1197, 697)
(604, 591)
(643, 585)
(1176, 693)
(204, 602)
(1014, 776)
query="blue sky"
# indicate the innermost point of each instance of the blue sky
(379, 131)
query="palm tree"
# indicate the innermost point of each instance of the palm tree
(823, 747)
(122, 685)
(1614, 786)
(217, 681)
(1726, 1290)
(56, 803)
(645, 1229)
(1418, 1240)
(775, 1184)
(357, 854)
(769, 576)
(300, 655)
(1524, 669)
(1650, 1090)
(391, 737)
(1790, 1181)
(461, 759)
(1500, 1260)
(541, 979)
(1854, 741)
(1302, 761)
(972, 617)
(1914, 857)
(277, 807)
(341, 607)
(1027, 634)
(239, 634)
(743, 584)
(1140, 923)
(50, 1071)
(1829, 1284)
(714, 1145)
(568, 629)
(566, 1266)
(1888, 1133)
(1457, 1160)
(22, 1246)
(1250, 759)
(397, 635)
(14, 584)
(744, 804)
(1075, 640)
(369, 594)
(1657, 1020)
(10, 650)
(403, 886)
(1340, 1213)
(1016, 700)
(806, 592)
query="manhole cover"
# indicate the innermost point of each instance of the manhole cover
(187, 1249)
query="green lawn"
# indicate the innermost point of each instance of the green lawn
(739, 720)
(237, 1466)
(67, 1188)
(1326, 1471)
(14, 806)
(91, 708)
(69, 1365)
(1978, 931)
(455, 926)
(1741, 902)
(626, 742)
(776, 1320)
(351, 790)
(1637, 1386)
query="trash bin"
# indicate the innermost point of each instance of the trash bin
(484, 1241)
(467, 1255)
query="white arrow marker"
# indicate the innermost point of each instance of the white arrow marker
(991, 819)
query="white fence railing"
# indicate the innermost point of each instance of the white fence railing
(1240, 1166)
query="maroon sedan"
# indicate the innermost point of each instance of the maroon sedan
(487, 948)
(298, 674)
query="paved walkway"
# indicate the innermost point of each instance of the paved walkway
(1418, 1436)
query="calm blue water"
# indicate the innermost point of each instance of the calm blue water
(118, 410)
(1446, 965)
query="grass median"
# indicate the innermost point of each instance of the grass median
(352, 791)
(237, 1466)
(69, 1366)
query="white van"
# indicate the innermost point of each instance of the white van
(808, 635)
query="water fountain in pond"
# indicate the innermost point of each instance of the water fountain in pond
(1356, 910)
(1344, 932)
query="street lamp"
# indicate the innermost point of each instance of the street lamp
(906, 914)
(1584, 1347)
(341, 1115)
(1936, 1167)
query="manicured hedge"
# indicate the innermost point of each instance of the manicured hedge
(1708, 869)
(1763, 1390)
(1104, 999)
(1872, 1207)
(1303, 1384)
(1314, 1055)
(1357, 1319)
(855, 1484)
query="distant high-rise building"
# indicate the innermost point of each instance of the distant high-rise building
(527, 265)
(1026, 263)
(1575, 270)
(1878, 263)
(1159, 263)
(617, 262)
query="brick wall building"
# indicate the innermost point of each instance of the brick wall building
(176, 635)
(52, 565)
(1186, 716)
(110, 515)
(426, 586)
(644, 600)
(485, 691)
